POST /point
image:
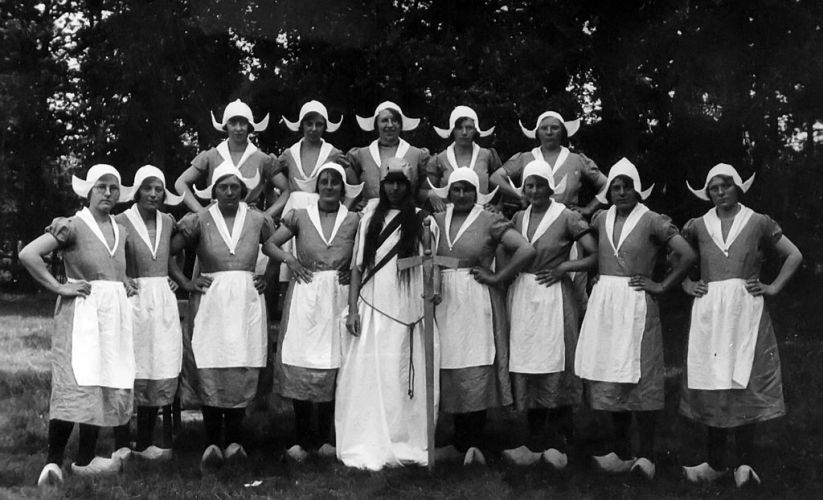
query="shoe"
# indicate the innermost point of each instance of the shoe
(612, 464)
(643, 468)
(154, 454)
(98, 467)
(235, 452)
(447, 454)
(123, 454)
(474, 456)
(327, 451)
(51, 475)
(522, 456)
(297, 453)
(703, 473)
(557, 459)
(212, 459)
(745, 476)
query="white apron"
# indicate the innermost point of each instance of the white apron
(723, 336)
(536, 335)
(102, 352)
(228, 328)
(316, 322)
(158, 338)
(609, 346)
(465, 322)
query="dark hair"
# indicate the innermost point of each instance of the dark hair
(551, 191)
(235, 117)
(729, 180)
(564, 134)
(335, 172)
(137, 191)
(244, 191)
(629, 183)
(410, 228)
(394, 113)
(311, 115)
(469, 184)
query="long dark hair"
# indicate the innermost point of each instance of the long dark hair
(410, 228)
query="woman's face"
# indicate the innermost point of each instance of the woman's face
(537, 191)
(330, 186)
(550, 132)
(722, 191)
(389, 126)
(314, 126)
(104, 194)
(464, 132)
(150, 195)
(396, 191)
(238, 129)
(463, 195)
(622, 193)
(229, 192)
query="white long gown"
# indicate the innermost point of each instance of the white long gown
(377, 423)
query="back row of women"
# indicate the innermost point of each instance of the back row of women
(513, 324)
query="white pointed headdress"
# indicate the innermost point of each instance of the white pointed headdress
(312, 107)
(239, 108)
(571, 126)
(367, 123)
(721, 169)
(82, 187)
(626, 168)
(464, 174)
(541, 169)
(223, 170)
(462, 112)
(310, 185)
(146, 172)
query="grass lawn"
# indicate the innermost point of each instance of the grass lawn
(790, 449)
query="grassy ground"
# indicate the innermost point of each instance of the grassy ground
(790, 449)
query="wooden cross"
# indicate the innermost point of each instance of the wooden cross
(431, 282)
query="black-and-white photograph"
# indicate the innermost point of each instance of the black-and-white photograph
(411, 249)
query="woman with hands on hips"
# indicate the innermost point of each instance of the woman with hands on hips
(732, 378)
(545, 319)
(312, 330)
(620, 351)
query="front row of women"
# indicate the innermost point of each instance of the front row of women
(368, 385)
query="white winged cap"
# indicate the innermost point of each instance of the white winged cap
(367, 123)
(626, 168)
(462, 112)
(539, 168)
(312, 107)
(464, 174)
(571, 126)
(721, 169)
(147, 172)
(310, 185)
(239, 108)
(226, 169)
(82, 187)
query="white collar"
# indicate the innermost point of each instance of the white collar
(561, 157)
(232, 239)
(453, 158)
(374, 149)
(86, 216)
(314, 216)
(223, 149)
(551, 215)
(628, 226)
(325, 149)
(713, 227)
(133, 214)
(473, 215)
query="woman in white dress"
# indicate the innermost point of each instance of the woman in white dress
(380, 403)
(158, 339)
(92, 371)
(732, 378)
(313, 327)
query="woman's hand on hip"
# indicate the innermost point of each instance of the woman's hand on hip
(79, 289)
